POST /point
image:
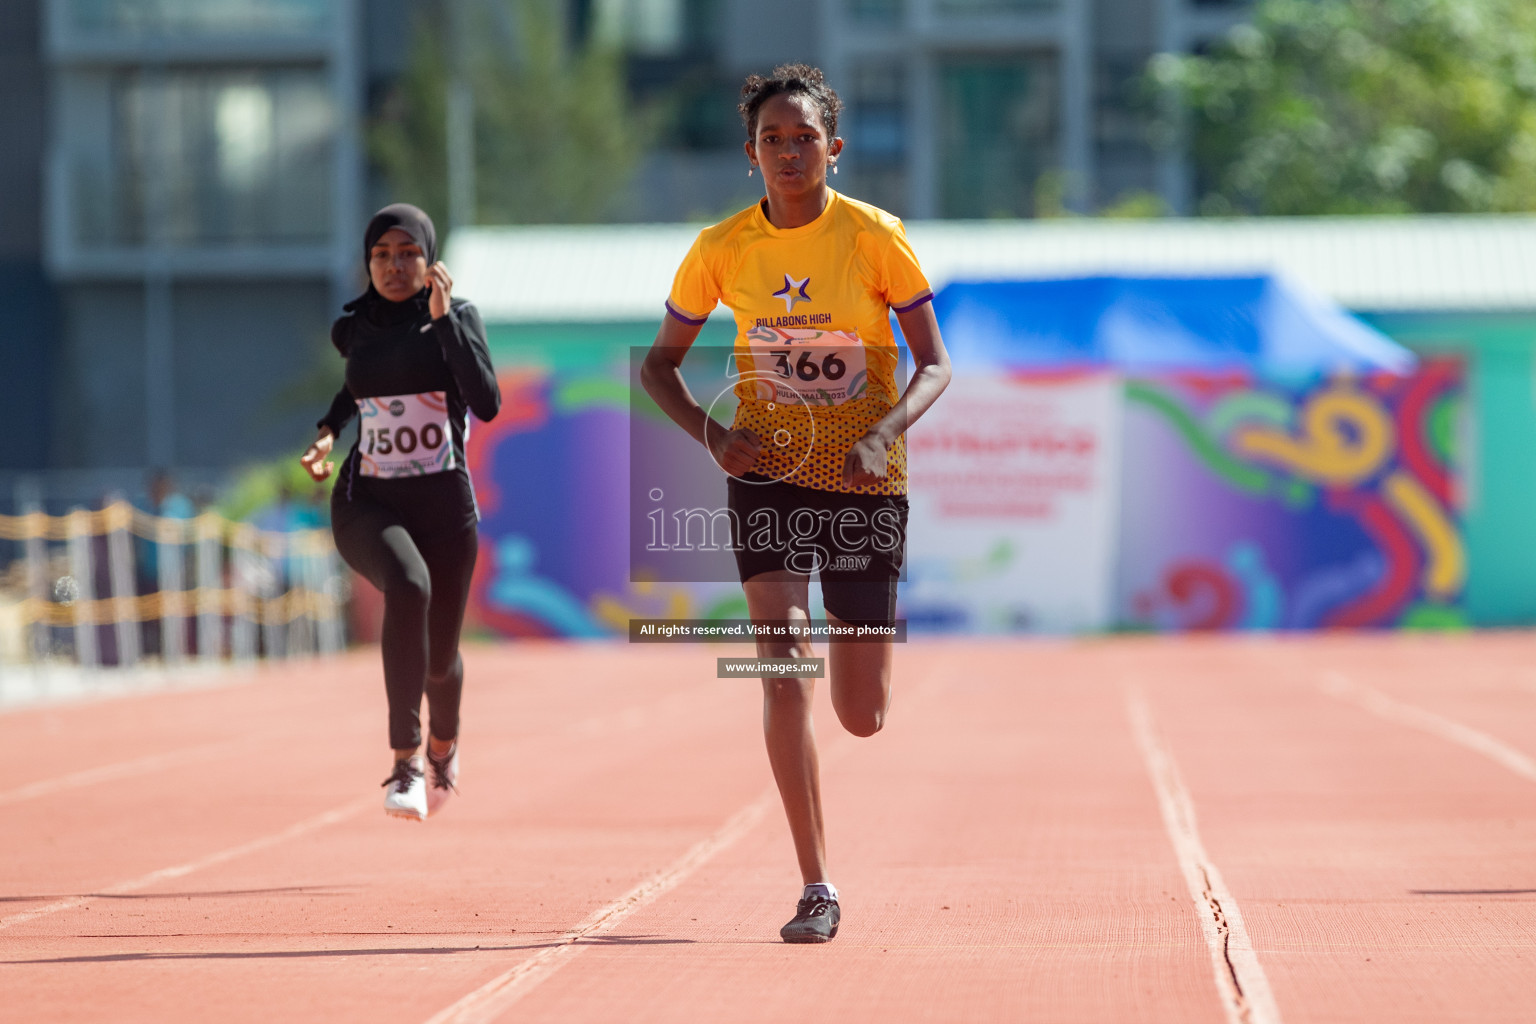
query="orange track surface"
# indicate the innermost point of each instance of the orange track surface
(1001, 847)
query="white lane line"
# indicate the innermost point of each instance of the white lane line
(337, 814)
(1240, 980)
(110, 772)
(155, 762)
(1342, 687)
(497, 995)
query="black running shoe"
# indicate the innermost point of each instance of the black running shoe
(815, 921)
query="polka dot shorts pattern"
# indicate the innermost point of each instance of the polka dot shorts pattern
(807, 448)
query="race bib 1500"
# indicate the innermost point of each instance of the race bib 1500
(818, 367)
(405, 435)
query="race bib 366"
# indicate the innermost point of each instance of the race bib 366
(818, 367)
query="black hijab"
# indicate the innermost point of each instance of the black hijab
(415, 223)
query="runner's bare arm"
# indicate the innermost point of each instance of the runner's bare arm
(865, 464)
(735, 450)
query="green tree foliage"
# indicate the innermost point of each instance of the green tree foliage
(1364, 106)
(556, 139)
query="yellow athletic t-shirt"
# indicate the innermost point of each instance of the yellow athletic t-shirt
(814, 347)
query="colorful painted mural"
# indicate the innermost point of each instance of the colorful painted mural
(1244, 503)
(552, 476)
(1252, 503)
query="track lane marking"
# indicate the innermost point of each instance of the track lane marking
(350, 809)
(110, 772)
(1240, 979)
(625, 720)
(496, 996)
(331, 817)
(1341, 687)
(169, 759)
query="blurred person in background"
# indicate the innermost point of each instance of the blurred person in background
(162, 498)
(283, 557)
(403, 509)
(818, 428)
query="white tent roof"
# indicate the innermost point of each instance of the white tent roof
(623, 272)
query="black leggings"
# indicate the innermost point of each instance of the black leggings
(425, 581)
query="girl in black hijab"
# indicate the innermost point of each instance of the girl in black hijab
(403, 509)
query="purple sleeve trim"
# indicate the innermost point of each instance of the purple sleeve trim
(685, 318)
(909, 307)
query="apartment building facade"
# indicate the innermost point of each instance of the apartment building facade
(955, 108)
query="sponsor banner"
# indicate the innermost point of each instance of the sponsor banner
(1014, 505)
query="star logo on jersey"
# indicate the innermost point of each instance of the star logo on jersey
(793, 292)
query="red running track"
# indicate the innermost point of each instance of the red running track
(1297, 829)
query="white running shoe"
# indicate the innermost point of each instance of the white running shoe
(406, 792)
(444, 781)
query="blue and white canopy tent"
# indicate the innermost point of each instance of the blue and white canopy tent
(1264, 323)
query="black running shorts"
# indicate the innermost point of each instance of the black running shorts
(856, 543)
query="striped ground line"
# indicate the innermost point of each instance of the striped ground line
(1240, 979)
(1342, 687)
(496, 996)
(350, 809)
(171, 758)
(110, 772)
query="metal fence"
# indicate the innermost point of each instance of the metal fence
(117, 587)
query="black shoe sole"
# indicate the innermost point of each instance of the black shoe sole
(809, 938)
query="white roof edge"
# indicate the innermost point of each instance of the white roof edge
(609, 273)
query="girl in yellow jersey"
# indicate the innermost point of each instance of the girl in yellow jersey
(815, 457)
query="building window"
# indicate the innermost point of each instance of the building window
(998, 133)
(877, 13)
(994, 6)
(877, 114)
(651, 28)
(119, 18)
(1125, 163)
(875, 129)
(201, 157)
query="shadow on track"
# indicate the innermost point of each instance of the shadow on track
(286, 954)
(281, 954)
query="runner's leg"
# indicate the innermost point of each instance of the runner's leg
(860, 671)
(452, 565)
(373, 542)
(791, 741)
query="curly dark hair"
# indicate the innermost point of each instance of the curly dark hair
(789, 78)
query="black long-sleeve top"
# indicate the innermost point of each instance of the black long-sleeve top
(398, 349)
